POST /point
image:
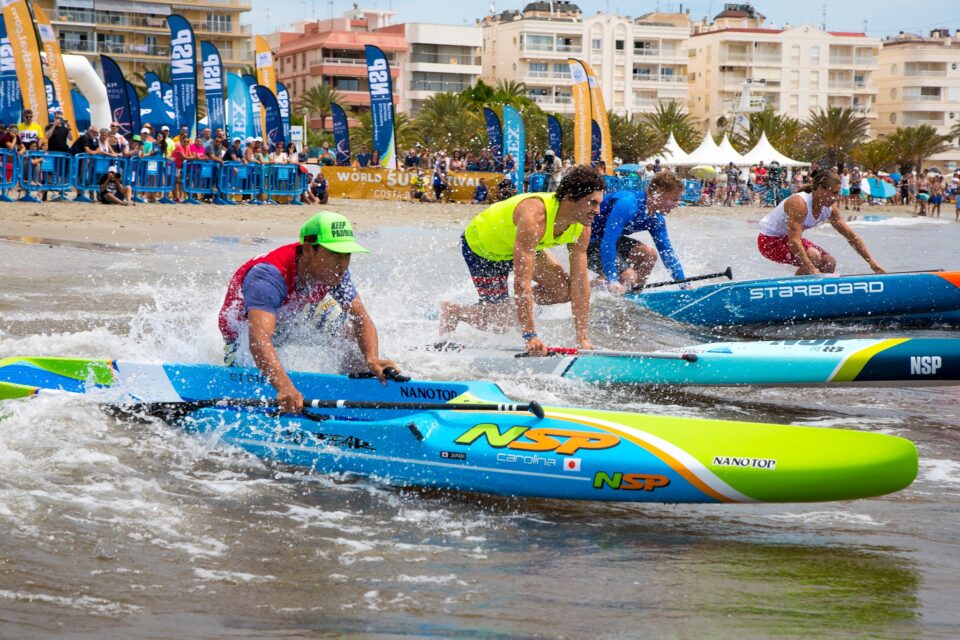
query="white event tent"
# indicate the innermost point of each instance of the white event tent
(730, 154)
(672, 154)
(764, 152)
(707, 153)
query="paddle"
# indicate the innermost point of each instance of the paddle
(183, 408)
(574, 351)
(720, 274)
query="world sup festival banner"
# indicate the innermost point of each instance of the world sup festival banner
(394, 184)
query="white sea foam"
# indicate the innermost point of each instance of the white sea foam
(828, 518)
(939, 470)
(233, 577)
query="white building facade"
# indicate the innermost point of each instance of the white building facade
(441, 58)
(794, 70)
(637, 61)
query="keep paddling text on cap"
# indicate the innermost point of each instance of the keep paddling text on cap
(331, 231)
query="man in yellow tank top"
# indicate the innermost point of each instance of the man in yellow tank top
(512, 235)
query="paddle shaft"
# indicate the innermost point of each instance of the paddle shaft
(573, 351)
(183, 408)
(653, 285)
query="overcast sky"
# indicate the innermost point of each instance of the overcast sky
(885, 17)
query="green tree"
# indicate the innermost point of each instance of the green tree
(447, 121)
(784, 133)
(633, 139)
(405, 133)
(834, 133)
(915, 144)
(139, 79)
(875, 155)
(319, 100)
(670, 117)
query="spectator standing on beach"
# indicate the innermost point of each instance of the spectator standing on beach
(29, 130)
(855, 180)
(58, 134)
(440, 183)
(115, 132)
(234, 153)
(480, 193)
(552, 170)
(733, 179)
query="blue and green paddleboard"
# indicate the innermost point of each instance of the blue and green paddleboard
(583, 454)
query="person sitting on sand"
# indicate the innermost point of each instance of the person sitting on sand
(621, 261)
(782, 229)
(514, 234)
(111, 186)
(304, 283)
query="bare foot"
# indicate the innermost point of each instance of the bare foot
(448, 317)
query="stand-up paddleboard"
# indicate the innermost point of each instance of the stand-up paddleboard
(809, 298)
(892, 362)
(877, 188)
(454, 443)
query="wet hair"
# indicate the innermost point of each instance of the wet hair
(666, 182)
(822, 179)
(579, 182)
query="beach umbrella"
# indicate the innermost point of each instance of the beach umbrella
(704, 172)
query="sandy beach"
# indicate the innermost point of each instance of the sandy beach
(152, 223)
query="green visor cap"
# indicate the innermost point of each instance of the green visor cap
(331, 231)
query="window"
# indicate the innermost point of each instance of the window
(893, 94)
(814, 79)
(539, 43)
(537, 69)
(815, 55)
(794, 103)
(219, 23)
(893, 118)
(596, 44)
(345, 84)
(618, 45)
(561, 70)
(795, 54)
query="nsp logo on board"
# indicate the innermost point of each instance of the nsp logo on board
(561, 441)
(629, 481)
(749, 463)
(815, 290)
(925, 365)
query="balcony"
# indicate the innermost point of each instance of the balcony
(445, 58)
(559, 103)
(653, 102)
(438, 86)
(924, 73)
(560, 49)
(919, 97)
(646, 51)
(546, 77)
(841, 60)
(652, 77)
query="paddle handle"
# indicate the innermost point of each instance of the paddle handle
(728, 274)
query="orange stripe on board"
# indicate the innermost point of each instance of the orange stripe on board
(674, 464)
(953, 277)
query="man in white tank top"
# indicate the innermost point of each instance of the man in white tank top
(781, 231)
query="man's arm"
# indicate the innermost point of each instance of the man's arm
(261, 327)
(530, 216)
(796, 211)
(623, 211)
(365, 333)
(855, 240)
(580, 288)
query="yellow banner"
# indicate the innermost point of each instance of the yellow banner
(599, 115)
(395, 184)
(581, 112)
(266, 75)
(26, 56)
(56, 71)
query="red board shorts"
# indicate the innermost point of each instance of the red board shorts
(777, 248)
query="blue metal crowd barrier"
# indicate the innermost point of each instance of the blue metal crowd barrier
(45, 171)
(9, 173)
(538, 182)
(200, 178)
(612, 183)
(282, 180)
(691, 191)
(89, 169)
(154, 175)
(239, 179)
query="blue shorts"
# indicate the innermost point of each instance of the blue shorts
(936, 199)
(489, 276)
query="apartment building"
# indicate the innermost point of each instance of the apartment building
(135, 32)
(441, 58)
(332, 52)
(793, 70)
(638, 62)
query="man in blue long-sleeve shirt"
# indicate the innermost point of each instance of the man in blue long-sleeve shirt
(626, 263)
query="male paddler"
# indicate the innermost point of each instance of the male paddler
(626, 263)
(781, 231)
(306, 284)
(511, 236)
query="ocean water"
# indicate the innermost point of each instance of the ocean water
(119, 529)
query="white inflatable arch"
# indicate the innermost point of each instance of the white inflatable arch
(82, 74)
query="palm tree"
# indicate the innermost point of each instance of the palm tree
(783, 132)
(319, 100)
(446, 121)
(670, 117)
(139, 79)
(914, 144)
(834, 133)
(405, 133)
(875, 155)
(633, 140)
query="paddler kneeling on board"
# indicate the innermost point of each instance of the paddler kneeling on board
(512, 235)
(782, 229)
(304, 283)
(622, 262)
